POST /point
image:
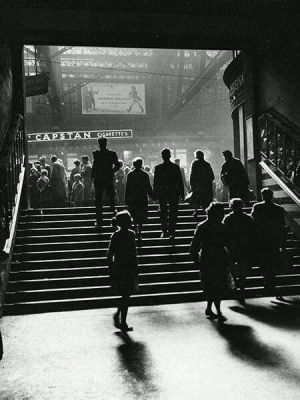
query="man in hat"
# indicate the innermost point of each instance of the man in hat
(168, 187)
(234, 175)
(105, 164)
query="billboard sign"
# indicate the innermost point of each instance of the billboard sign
(113, 98)
(80, 135)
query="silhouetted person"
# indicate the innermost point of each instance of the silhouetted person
(105, 164)
(210, 237)
(123, 266)
(120, 184)
(44, 165)
(32, 185)
(234, 175)
(168, 187)
(269, 219)
(58, 183)
(138, 188)
(43, 186)
(184, 181)
(201, 182)
(241, 236)
(86, 175)
(77, 193)
(75, 170)
(151, 176)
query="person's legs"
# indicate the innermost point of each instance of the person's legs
(208, 311)
(163, 213)
(116, 316)
(110, 190)
(98, 203)
(242, 275)
(124, 312)
(173, 216)
(217, 303)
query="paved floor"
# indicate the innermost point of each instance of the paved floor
(173, 353)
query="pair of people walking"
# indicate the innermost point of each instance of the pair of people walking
(238, 240)
(233, 176)
(218, 244)
(167, 188)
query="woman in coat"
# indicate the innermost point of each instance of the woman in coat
(122, 263)
(138, 188)
(210, 237)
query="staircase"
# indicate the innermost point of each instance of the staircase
(59, 263)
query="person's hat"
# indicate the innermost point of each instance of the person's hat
(227, 153)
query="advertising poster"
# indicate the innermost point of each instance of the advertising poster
(113, 98)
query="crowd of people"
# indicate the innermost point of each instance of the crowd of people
(224, 249)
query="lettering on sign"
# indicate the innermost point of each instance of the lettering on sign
(80, 135)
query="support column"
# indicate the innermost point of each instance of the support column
(251, 119)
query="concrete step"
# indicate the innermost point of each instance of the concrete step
(93, 291)
(95, 261)
(136, 300)
(93, 244)
(100, 281)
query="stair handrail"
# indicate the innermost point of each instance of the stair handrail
(12, 176)
(276, 132)
(12, 160)
(280, 183)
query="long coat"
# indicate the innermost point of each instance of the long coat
(168, 181)
(123, 262)
(138, 188)
(214, 258)
(269, 219)
(58, 181)
(105, 164)
(201, 181)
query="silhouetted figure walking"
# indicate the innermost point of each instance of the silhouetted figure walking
(33, 189)
(168, 187)
(210, 237)
(138, 188)
(269, 219)
(77, 193)
(75, 170)
(234, 175)
(58, 183)
(201, 182)
(184, 181)
(86, 175)
(105, 164)
(240, 231)
(122, 262)
(120, 183)
(43, 186)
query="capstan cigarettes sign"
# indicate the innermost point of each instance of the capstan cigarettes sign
(80, 135)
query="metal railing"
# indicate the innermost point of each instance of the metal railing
(280, 145)
(12, 160)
